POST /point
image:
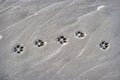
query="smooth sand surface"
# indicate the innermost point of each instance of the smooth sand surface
(76, 59)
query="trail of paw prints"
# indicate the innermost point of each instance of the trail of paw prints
(19, 48)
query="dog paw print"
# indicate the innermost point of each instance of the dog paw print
(39, 43)
(18, 49)
(62, 40)
(104, 45)
(79, 34)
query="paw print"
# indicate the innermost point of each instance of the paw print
(79, 34)
(104, 45)
(18, 49)
(62, 40)
(39, 43)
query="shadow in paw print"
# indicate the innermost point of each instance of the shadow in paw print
(39, 43)
(79, 34)
(18, 49)
(62, 39)
(104, 45)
